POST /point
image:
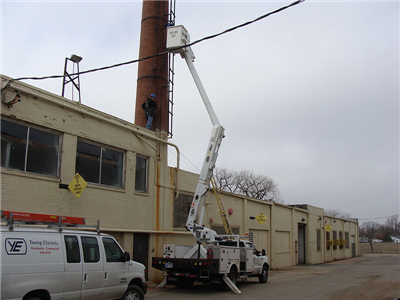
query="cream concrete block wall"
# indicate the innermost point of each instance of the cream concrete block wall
(314, 223)
(117, 208)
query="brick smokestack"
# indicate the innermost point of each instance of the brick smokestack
(153, 72)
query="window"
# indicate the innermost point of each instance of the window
(141, 174)
(318, 239)
(99, 164)
(346, 236)
(112, 250)
(90, 249)
(181, 210)
(72, 249)
(340, 239)
(29, 149)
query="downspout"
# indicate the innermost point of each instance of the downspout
(76, 108)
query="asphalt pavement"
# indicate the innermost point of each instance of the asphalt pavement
(369, 277)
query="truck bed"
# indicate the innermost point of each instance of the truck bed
(189, 268)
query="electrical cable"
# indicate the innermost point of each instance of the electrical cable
(158, 54)
(379, 217)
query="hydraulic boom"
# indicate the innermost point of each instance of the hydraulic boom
(177, 39)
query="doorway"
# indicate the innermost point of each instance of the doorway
(141, 249)
(301, 244)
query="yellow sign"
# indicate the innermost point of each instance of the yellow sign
(77, 185)
(328, 227)
(261, 218)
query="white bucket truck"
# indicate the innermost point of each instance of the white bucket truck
(39, 263)
(225, 258)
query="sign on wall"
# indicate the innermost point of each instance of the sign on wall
(261, 218)
(77, 185)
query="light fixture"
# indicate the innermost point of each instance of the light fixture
(303, 220)
(320, 218)
(75, 58)
(73, 78)
(334, 221)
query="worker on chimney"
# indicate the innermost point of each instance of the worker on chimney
(149, 107)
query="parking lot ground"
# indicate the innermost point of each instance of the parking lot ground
(369, 277)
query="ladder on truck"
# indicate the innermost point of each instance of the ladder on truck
(12, 217)
(222, 213)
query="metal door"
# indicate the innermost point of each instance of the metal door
(353, 246)
(301, 244)
(141, 248)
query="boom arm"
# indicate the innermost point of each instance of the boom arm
(176, 36)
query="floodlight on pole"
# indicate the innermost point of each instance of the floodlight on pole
(75, 59)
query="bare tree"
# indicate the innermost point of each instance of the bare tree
(333, 212)
(248, 184)
(390, 228)
(369, 229)
(393, 224)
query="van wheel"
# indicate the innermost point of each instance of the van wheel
(263, 278)
(33, 298)
(134, 293)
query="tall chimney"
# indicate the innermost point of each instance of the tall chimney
(153, 72)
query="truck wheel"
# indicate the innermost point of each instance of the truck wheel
(263, 278)
(232, 276)
(134, 293)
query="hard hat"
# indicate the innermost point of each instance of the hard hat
(153, 95)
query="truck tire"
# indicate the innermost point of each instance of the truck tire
(263, 277)
(233, 275)
(134, 293)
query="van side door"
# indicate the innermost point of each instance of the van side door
(73, 268)
(116, 270)
(93, 268)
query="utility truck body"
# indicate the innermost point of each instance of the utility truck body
(238, 259)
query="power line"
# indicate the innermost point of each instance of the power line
(158, 54)
(187, 160)
(379, 218)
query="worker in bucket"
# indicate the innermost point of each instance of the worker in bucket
(150, 109)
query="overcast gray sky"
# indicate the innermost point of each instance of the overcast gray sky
(308, 96)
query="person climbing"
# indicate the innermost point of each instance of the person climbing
(149, 107)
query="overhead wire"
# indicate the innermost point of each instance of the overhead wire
(158, 54)
(379, 217)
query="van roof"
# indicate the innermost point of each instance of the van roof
(27, 228)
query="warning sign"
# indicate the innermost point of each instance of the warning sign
(77, 185)
(261, 218)
(328, 227)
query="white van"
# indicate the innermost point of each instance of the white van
(56, 263)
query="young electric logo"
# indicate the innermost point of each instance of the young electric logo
(16, 246)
